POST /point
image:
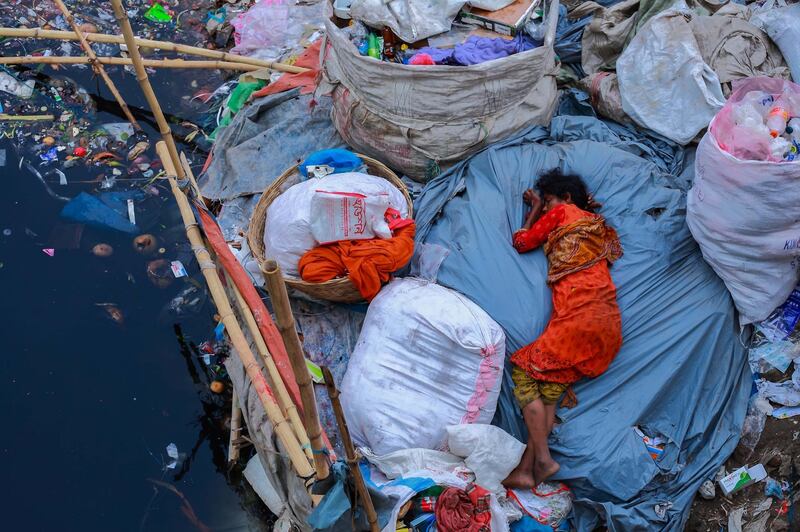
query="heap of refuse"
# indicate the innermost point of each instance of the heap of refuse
(386, 182)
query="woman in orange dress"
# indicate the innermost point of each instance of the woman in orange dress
(585, 330)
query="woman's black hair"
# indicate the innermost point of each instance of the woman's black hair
(559, 185)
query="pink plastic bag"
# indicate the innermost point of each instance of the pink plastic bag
(743, 143)
(263, 26)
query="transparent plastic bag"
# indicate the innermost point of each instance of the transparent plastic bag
(736, 127)
(272, 27)
(757, 412)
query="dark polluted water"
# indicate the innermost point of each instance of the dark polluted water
(99, 376)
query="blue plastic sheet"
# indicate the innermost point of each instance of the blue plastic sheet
(101, 213)
(681, 372)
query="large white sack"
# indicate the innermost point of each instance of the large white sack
(744, 215)
(783, 26)
(287, 233)
(427, 358)
(664, 83)
(488, 451)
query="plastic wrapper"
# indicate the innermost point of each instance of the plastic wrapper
(488, 451)
(411, 20)
(272, 27)
(549, 503)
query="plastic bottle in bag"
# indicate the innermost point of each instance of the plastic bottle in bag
(779, 147)
(776, 120)
(759, 100)
(793, 129)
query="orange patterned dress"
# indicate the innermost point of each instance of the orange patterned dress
(585, 330)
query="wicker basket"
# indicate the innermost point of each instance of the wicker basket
(341, 290)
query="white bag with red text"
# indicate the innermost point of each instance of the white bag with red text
(348, 216)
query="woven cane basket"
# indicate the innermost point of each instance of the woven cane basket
(340, 290)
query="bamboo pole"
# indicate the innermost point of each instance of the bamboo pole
(251, 366)
(152, 63)
(147, 89)
(349, 450)
(284, 400)
(39, 33)
(98, 67)
(236, 429)
(285, 321)
(25, 118)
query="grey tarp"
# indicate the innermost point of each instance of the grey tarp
(265, 139)
(681, 371)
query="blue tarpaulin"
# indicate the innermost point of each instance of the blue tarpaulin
(681, 373)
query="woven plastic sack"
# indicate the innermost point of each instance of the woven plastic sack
(744, 214)
(416, 118)
(427, 358)
(783, 27)
(664, 83)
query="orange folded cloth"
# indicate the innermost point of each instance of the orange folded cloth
(369, 263)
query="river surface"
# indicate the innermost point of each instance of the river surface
(97, 377)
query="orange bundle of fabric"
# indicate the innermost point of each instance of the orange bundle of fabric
(369, 263)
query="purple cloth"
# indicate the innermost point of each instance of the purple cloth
(477, 50)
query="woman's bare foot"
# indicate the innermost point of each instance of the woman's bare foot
(519, 479)
(544, 469)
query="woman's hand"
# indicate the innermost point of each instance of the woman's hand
(531, 197)
(593, 204)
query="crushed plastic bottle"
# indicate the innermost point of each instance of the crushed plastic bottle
(779, 148)
(776, 120)
(757, 412)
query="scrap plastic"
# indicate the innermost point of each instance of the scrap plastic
(678, 320)
(742, 212)
(251, 152)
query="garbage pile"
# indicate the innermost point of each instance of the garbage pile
(681, 120)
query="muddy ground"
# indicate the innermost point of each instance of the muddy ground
(779, 451)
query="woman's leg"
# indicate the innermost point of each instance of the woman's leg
(539, 420)
(522, 475)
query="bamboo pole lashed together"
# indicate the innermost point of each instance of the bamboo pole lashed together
(349, 450)
(236, 429)
(251, 366)
(285, 321)
(151, 63)
(96, 66)
(39, 33)
(284, 399)
(147, 89)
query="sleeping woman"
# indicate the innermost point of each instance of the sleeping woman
(585, 330)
